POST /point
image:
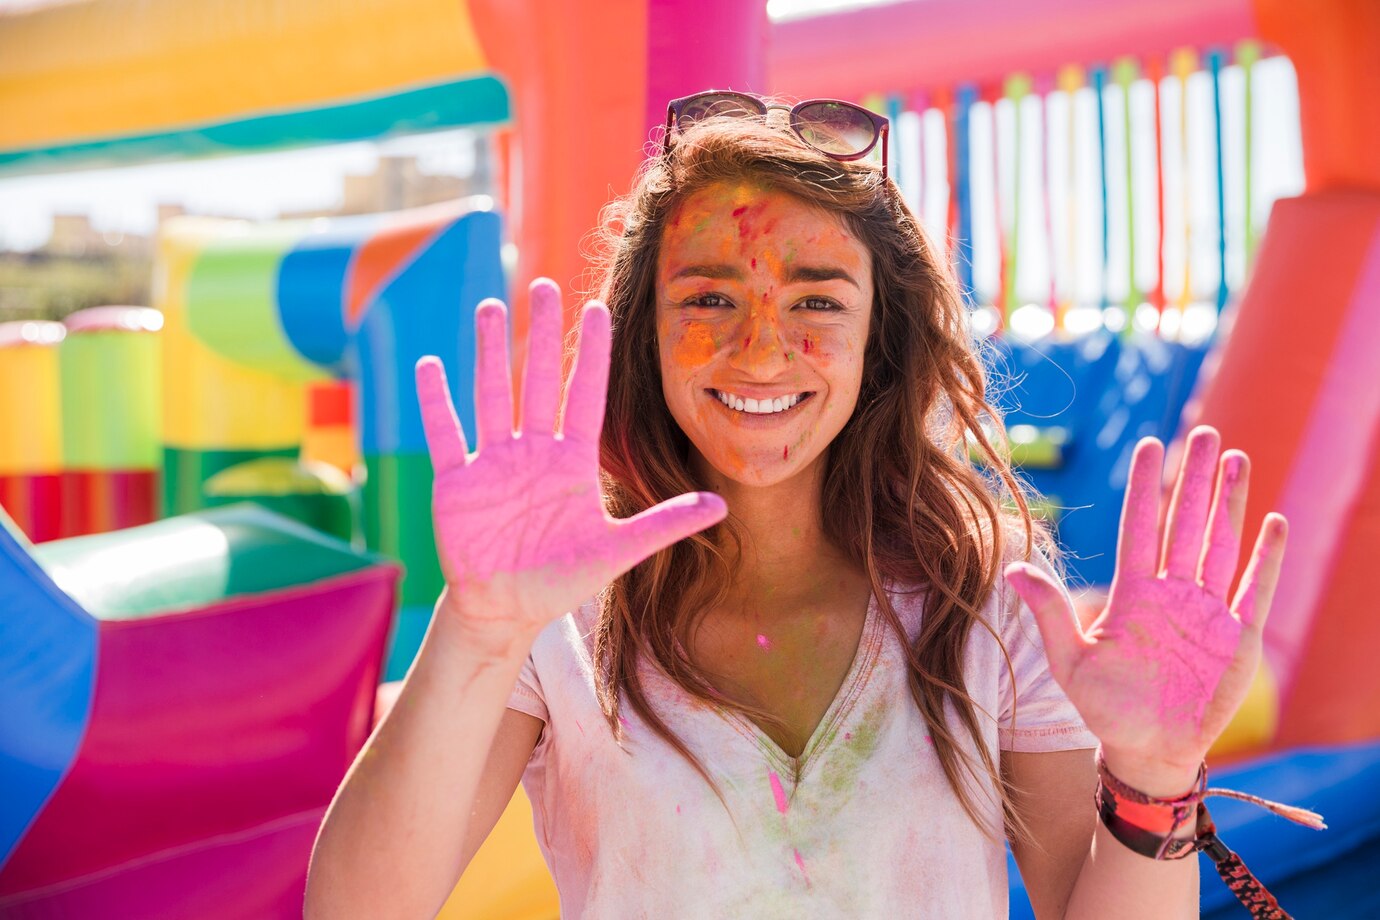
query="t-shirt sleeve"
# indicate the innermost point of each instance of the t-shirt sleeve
(1045, 720)
(527, 696)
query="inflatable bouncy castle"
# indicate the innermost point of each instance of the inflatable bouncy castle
(192, 674)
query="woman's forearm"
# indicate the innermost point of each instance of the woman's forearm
(391, 841)
(1116, 881)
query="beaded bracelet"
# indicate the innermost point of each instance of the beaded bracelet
(1147, 824)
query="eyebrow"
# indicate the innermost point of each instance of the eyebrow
(796, 274)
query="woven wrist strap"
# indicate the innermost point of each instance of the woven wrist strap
(1159, 843)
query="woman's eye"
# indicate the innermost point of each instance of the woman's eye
(820, 304)
(707, 300)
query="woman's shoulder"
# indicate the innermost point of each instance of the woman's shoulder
(569, 633)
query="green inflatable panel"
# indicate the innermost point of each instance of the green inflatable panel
(185, 471)
(315, 494)
(394, 482)
(193, 560)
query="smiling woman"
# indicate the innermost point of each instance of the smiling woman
(778, 271)
(737, 621)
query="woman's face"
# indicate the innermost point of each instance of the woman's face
(763, 304)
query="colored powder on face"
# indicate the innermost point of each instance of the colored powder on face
(780, 794)
(754, 263)
(693, 346)
(806, 347)
(764, 642)
(739, 211)
(786, 452)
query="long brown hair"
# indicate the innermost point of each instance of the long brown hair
(917, 512)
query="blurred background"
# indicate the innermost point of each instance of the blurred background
(229, 229)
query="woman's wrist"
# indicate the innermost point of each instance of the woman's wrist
(1153, 777)
(489, 635)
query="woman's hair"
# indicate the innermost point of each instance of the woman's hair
(915, 512)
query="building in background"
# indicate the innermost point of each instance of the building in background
(83, 266)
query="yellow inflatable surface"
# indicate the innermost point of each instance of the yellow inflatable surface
(132, 67)
(507, 879)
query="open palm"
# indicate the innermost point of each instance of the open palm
(520, 527)
(1162, 669)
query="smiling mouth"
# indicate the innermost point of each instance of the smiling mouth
(779, 405)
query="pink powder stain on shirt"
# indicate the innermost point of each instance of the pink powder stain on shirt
(847, 736)
(801, 863)
(764, 643)
(779, 792)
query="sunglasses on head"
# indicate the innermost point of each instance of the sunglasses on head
(835, 128)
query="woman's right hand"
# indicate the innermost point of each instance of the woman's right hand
(520, 527)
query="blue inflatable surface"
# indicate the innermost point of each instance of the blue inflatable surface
(1328, 873)
(1106, 393)
(48, 648)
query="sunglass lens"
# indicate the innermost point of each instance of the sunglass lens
(711, 105)
(835, 127)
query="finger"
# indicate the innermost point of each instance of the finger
(1138, 552)
(1223, 548)
(445, 437)
(665, 525)
(1063, 638)
(1257, 591)
(541, 379)
(589, 379)
(1188, 510)
(493, 381)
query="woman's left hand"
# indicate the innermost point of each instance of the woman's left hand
(1161, 670)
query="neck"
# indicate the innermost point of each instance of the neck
(787, 556)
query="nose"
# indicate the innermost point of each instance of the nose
(761, 344)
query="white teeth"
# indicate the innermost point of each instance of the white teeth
(760, 406)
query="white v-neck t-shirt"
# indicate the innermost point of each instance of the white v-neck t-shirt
(862, 824)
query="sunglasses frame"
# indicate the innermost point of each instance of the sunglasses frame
(881, 125)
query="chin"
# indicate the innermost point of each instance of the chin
(759, 472)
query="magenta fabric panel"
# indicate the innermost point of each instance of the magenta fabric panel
(712, 44)
(214, 720)
(928, 44)
(259, 873)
